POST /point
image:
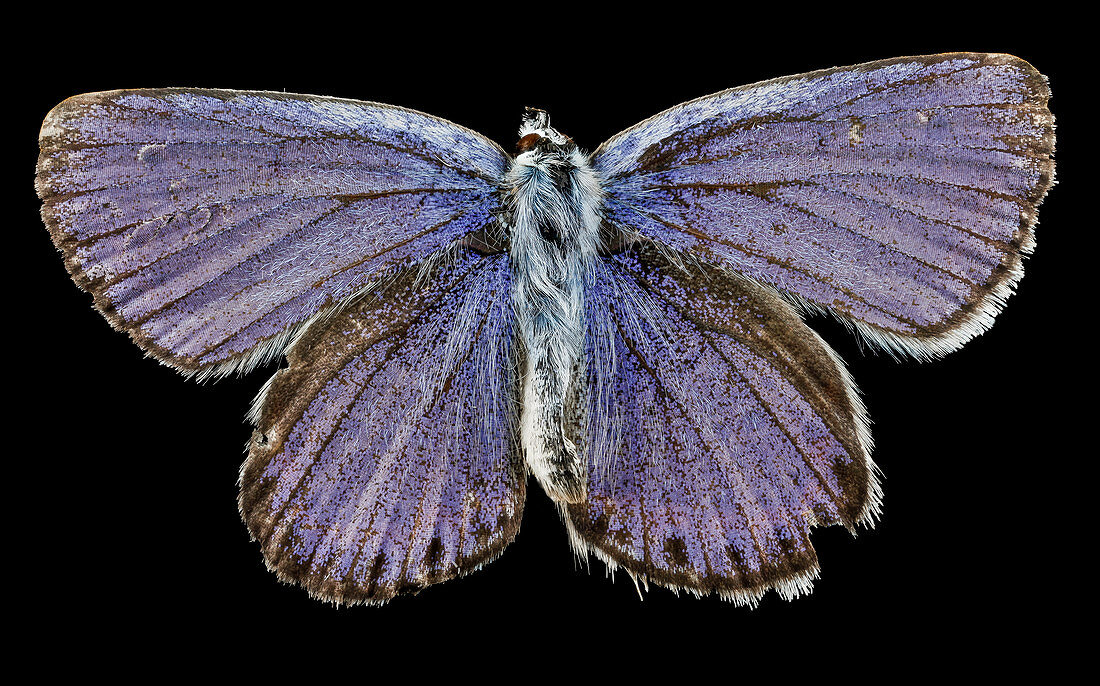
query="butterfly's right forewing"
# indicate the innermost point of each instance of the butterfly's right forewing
(900, 195)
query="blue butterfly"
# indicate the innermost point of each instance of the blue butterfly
(625, 326)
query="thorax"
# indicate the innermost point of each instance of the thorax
(552, 200)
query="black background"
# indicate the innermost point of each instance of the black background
(132, 470)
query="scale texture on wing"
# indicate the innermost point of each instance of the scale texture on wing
(383, 459)
(209, 224)
(719, 429)
(901, 195)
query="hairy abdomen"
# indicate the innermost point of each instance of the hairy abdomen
(553, 241)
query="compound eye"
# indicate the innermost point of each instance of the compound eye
(527, 142)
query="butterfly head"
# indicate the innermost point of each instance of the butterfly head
(535, 133)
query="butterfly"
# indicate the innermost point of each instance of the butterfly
(626, 326)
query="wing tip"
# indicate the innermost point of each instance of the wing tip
(54, 124)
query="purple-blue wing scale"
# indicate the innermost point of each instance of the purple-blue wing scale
(384, 457)
(212, 225)
(899, 195)
(718, 430)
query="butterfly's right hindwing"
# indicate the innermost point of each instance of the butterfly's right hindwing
(719, 429)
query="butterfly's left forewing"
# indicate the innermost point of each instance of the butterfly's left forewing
(383, 458)
(211, 225)
(718, 429)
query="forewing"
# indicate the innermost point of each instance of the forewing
(210, 224)
(718, 430)
(383, 458)
(900, 195)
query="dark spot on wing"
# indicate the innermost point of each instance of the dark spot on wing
(676, 551)
(434, 554)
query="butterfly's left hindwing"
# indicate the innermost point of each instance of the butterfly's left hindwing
(384, 457)
(719, 429)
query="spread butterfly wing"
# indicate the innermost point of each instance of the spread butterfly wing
(383, 458)
(900, 195)
(211, 225)
(718, 428)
